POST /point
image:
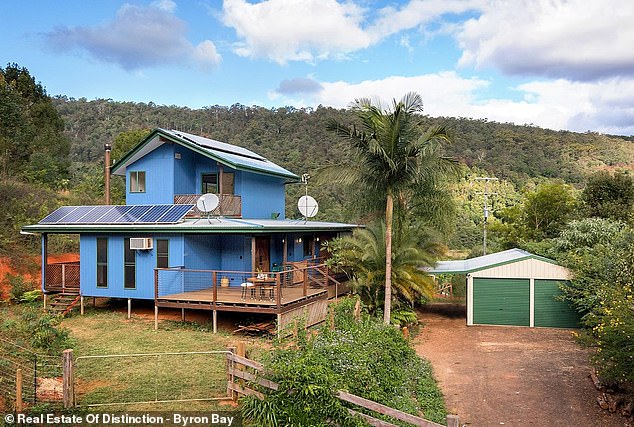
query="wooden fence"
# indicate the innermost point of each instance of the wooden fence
(238, 374)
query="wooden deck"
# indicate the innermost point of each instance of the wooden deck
(231, 299)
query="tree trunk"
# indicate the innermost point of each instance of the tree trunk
(389, 210)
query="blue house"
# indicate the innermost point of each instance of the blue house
(243, 256)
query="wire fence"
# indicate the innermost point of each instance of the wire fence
(123, 379)
(41, 374)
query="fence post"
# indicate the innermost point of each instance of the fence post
(453, 421)
(18, 390)
(68, 381)
(230, 379)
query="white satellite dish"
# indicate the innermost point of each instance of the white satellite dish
(308, 206)
(207, 202)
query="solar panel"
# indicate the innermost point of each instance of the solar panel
(57, 214)
(134, 214)
(176, 213)
(130, 214)
(155, 213)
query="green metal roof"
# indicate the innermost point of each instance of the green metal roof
(235, 157)
(218, 225)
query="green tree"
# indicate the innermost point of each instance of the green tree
(32, 141)
(541, 214)
(609, 196)
(126, 141)
(362, 255)
(389, 159)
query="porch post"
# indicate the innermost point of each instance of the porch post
(215, 321)
(129, 308)
(81, 305)
(252, 254)
(285, 249)
(44, 260)
(155, 317)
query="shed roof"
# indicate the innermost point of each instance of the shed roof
(485, 262)
(227, 154)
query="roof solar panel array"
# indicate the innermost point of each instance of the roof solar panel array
(131, 214)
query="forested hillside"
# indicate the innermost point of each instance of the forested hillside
(54, 148)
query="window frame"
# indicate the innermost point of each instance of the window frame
(101, 264)
(167, 253)
(127, 263)
(203, 188)
(134, 181)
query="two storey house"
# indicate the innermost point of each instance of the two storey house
(243, 256)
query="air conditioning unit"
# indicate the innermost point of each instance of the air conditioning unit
(141, 243)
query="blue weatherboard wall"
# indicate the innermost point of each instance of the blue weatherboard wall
(202, 252)
(159, 177)
(261, 196)
(145, 264)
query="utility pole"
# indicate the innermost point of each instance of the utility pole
(486, 195)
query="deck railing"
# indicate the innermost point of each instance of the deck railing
(62, 276)
(230, 205)
(217, 286)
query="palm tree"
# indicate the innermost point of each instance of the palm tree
(390, 160)
(365, 252)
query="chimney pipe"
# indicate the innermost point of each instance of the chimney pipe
(107, 148)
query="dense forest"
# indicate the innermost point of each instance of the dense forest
(51, 151)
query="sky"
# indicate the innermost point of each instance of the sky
(558, 64)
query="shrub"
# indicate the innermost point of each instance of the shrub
(364, 357)
(18, 286)
(45, 330)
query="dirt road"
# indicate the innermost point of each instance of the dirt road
(511, 376)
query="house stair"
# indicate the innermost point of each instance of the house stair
(61, 304)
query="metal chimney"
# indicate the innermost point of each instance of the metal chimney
(107, 148)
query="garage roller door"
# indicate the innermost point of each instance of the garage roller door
(501, 301)
(550, 312)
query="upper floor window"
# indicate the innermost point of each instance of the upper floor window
(210, 183)
(137, 181)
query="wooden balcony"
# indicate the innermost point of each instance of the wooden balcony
(230, 205)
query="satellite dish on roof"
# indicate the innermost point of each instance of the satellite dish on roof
(308, 206)
(207, 202)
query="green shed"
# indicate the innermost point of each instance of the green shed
(513, 287)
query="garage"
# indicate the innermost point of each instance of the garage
(514, 288)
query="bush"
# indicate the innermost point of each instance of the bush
(364, 357)
(44, 330)
(18, 286)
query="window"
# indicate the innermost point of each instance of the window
(129, 265)
(309, 245)
(102, 262)
(162, 253)
(210, 183)
(137, 182)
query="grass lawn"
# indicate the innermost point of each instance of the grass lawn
(147, 378)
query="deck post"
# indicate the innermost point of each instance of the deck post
(183, 314)
(215, 321)
(155, 317)
(129, 308)
(81, 305)
(278, 285)
(305, 271)
(45, 300)
(63, 277)
(214, 281)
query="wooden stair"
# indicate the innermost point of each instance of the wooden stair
(61, 304)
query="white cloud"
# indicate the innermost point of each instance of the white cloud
(288, 30)
(573, 39)
(138, 37)
(310, 30)
(606, 106)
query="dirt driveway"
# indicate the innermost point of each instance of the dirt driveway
(511, 376)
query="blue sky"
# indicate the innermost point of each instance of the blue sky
(559, 64)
